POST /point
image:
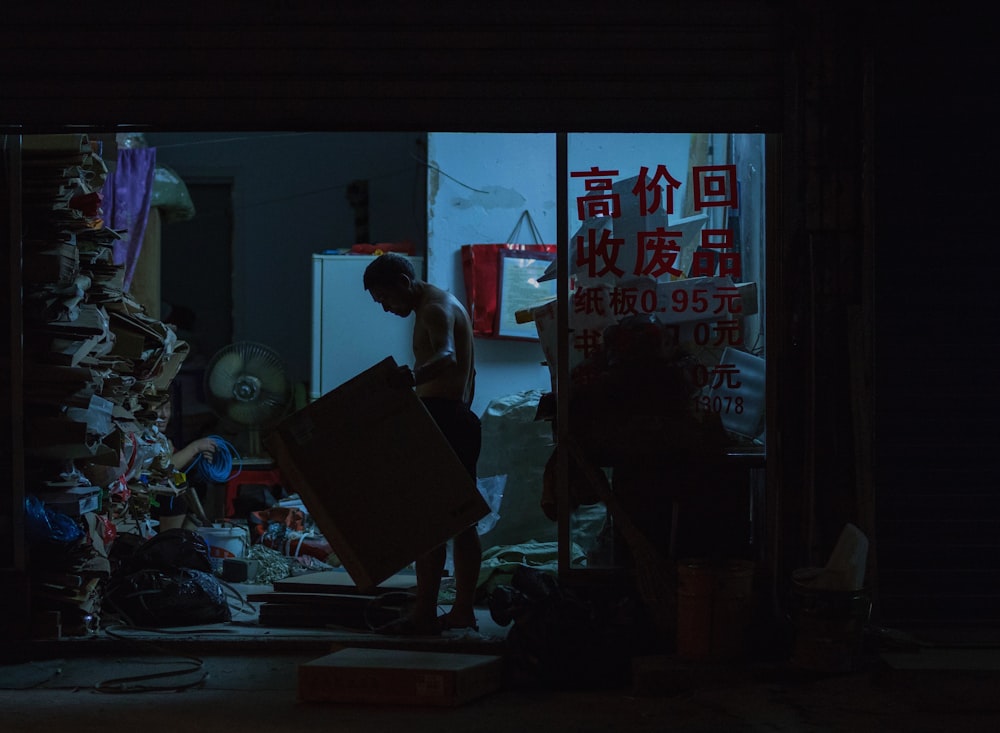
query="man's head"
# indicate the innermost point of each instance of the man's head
(390, 279)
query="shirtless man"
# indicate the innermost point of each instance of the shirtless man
(444, 376)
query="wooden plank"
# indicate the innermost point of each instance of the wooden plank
(329, 599)
(363, 614)
(338, 581)
(307, 616)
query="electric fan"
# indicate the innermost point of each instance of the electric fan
(246, 383)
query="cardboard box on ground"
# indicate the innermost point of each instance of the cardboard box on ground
(399, 676)
(376, 474)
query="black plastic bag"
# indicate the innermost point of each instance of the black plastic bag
(167, 581)
(169, 550)
(557, 639)
(180, 597)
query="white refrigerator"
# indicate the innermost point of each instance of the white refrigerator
(350, 331)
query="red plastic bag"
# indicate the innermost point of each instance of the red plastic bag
(481, 271)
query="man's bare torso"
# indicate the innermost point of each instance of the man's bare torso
(455, 383)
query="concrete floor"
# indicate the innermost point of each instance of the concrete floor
(258, 692)
(243, 677)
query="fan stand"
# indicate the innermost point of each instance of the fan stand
(255, 447)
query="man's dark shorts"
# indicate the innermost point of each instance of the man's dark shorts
(460, 426)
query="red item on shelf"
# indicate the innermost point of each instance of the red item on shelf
(403, 248)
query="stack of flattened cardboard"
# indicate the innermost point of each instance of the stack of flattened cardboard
(66, 419)
(95, 365)
(330, 598)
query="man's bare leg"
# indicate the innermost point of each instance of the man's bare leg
(467, 555)
(429, 569)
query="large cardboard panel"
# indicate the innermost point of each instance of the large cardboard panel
(397, 676)
(376, 474)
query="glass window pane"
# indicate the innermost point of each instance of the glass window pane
(665, 328)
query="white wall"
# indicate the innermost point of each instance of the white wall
(477, 186)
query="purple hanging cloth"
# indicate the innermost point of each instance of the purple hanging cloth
(127, 192)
